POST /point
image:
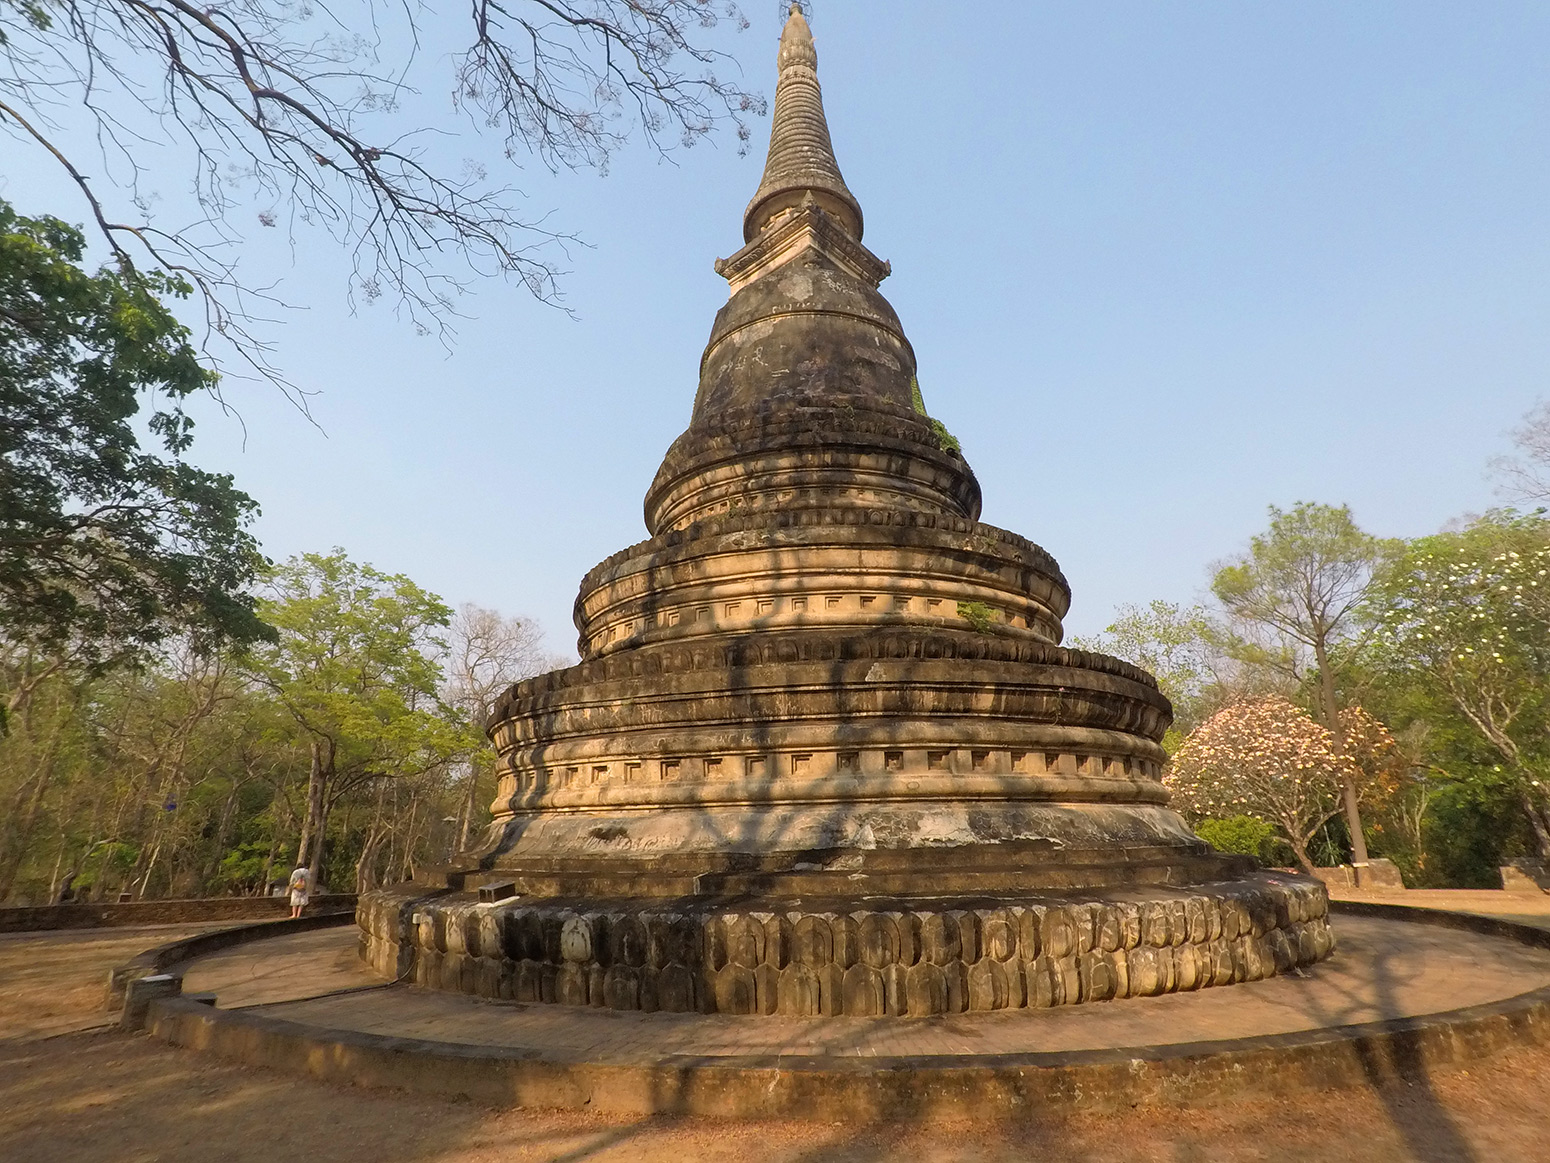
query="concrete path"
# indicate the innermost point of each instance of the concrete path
(1383, 969)
(55, 982)
(1521, 908)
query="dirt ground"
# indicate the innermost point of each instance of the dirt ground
(72, 1093)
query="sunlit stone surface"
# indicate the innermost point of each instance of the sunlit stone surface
(824, 753)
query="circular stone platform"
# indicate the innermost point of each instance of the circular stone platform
(1400, 995)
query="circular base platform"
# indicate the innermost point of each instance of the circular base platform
(867, 956)
(1408, 990)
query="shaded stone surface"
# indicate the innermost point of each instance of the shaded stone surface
(1384, 971)
(824, 752)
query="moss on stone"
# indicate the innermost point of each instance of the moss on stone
(978, 615)
(945, 440)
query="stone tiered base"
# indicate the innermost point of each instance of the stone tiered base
(805, 958)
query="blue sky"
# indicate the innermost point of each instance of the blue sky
(1162, 265)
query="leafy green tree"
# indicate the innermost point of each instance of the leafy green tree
(1179, 646)
(1265, 758)
(355, 665)
(1467, 614)
(1248, 835)
(106, 548)
(1295, 600)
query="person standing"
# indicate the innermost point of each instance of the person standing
(301, 885)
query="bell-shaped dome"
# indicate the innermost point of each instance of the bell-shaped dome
(809, 327)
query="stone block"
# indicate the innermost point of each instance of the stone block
(1130, 924)
(1379, 873)
(570, 986)
(1057, 932)
(798, 992)
(1156, 924)
(1110, 929)
(877, 940)
(812, 942)
(998, 935)
(676, 989)
(529, 978)
(939, 942)
(766, 980)
(896, 990)
(745, 942)
(715, 937)
(576, 940)
(1282, 954)
(621, 989)
(831, 990)
(551, 926)
(777, 939)
(956, 976)
(1145, 971)
(1119, 965)
(1224, 968)
(1282, 904)
(987, 986)
(967, 923)
(1178, 921)
(522, 935)
(926, 990)
(1038, 984)
(1030, 926)
(487, 976)
(735, 991)
(1188, 965)
(845, 934)
(908, 927)
(1096, 974)
(1197, 931)
(139, 992)
(1212, 908)
(864, 992)
(491, 941)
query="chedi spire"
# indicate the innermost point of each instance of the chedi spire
(801, 159)
(824, 753)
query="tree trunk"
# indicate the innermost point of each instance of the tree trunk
(274, 848)
(470, 806)
(1300, 850)
(1536, 819)
(1330, 707)
(314, 803)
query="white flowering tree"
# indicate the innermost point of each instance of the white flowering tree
(1265, 757)
(1468, 613)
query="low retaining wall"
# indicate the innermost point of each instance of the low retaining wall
(165, 957)
(1378, 873)
(197, 910)
(863, 959)
(882, 1088)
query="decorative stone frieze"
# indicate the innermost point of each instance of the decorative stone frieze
(823, 753)
(913, 959)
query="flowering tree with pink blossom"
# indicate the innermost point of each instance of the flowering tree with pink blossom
(1264, 757)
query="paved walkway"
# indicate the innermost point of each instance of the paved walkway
(54, 982)
(1522, 908)
(1383, 969)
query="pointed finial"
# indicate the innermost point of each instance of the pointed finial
(796, 41)
(801, 158)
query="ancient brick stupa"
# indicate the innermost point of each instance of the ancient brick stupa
(824, 753)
